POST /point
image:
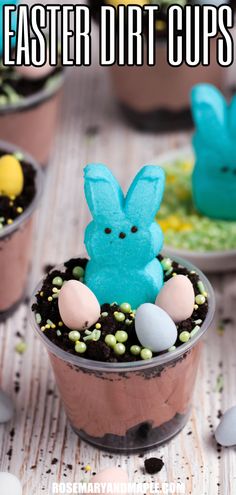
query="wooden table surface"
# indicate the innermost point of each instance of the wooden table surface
(39, 446)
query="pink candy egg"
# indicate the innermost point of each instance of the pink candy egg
(111, 475)
(34, 73)
(177, 298)
(78, 306)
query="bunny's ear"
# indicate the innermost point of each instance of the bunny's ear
(103, 193)
(210, 113)
(145, 194)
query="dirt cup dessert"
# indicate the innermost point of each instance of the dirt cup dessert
(29, 104)
(20, 189)
(198, 213)
(157, 97)
(124, 327)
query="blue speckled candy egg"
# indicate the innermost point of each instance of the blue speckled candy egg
(154, 327)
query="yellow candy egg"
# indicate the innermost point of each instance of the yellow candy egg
(11, 176)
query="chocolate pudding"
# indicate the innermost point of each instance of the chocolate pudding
(118, 402)
(16, 233)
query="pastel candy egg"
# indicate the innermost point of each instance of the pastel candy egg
(177, 298)
(34, 73)
(6, 408)
(11, 176)
(78, 306)
(154, 328)
(10, 485)
(111, 475)
(226, 431)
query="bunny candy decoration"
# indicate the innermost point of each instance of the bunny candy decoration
(123, 239)
(214, 175)
(13, 21)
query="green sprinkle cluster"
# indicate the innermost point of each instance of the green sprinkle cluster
(186, 228)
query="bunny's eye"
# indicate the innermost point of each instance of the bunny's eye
(225, 169)
(107, 231)
(134, 229)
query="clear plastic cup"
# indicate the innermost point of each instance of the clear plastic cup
(129, 407)
(31, 123)
(15, 246)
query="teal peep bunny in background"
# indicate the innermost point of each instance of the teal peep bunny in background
(123, 239)
(13, 24)
(214, 176)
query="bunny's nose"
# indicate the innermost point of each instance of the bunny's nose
(122, 235)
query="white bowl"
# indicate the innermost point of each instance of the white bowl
(208, 261)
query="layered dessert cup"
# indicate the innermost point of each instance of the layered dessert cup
(16, 223)
(126, 366)
(146, 94)
(29, 108)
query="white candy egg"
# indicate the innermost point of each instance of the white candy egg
(78, 306)
(10, 484)
(226, 432)
(6, 408)
(155, 329)
(111, 475)
(177, 298)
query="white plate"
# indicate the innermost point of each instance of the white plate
(209, 261)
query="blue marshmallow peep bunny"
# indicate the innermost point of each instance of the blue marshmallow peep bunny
(123, 239)
(13, 23)
(214, 175)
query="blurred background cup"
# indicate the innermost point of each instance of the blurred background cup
(16, 245)
(157, 98)
(31, 122)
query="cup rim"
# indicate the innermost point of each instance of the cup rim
(33, 100)
(11, 148)
(163, 359)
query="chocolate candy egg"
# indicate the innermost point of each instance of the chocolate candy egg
(11, 176)
(154, 328)
(110, 475)
(78, 306)
(177, 298)
(10, 485)
(226, 432)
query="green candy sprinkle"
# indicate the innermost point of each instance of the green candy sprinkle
(202, 288)
(21, 347)
(94, 335)
(119, 349)
(74, 335)
(146, 354)
(38, 318)
(121, 336)
(194, 331)
(200, 299)
(110, 340)
(58, 281)
(119, 316)
(171, 349)
(128, 322)
(125, 308)
(104, 314)
(169, 272)
(58, 333)
(80, 347)
(184, 336)
(135, 350)
(78, 272)
(166, 264)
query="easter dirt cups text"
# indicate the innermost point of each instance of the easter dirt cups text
(127, 35)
